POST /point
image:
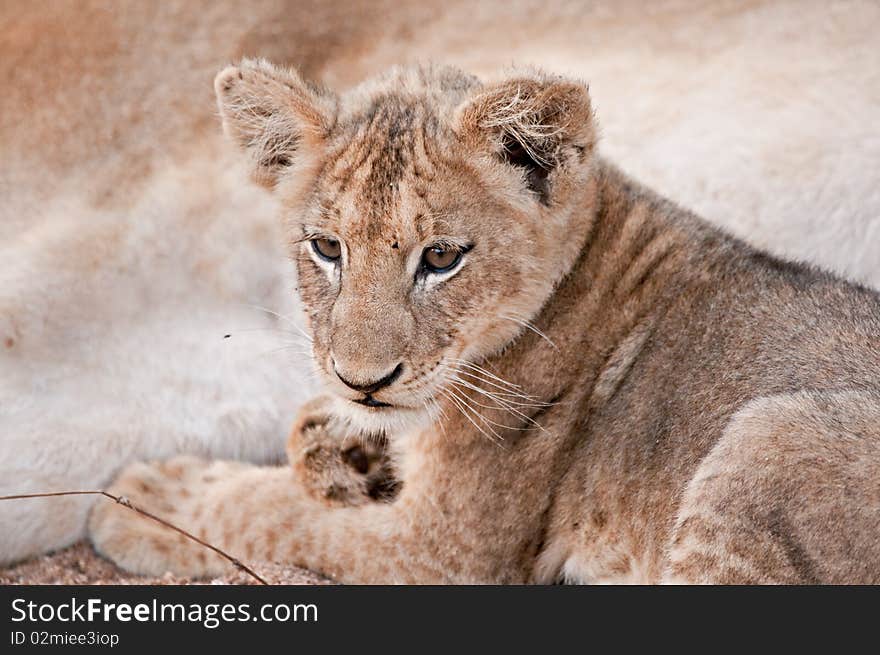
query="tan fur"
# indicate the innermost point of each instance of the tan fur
(608, 389)
(130, 241)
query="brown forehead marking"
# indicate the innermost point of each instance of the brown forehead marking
(385, 150)
(391, 140)
(392, 143)
(352, 155)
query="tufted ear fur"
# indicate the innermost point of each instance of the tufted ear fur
(540, 124)
(273, 115)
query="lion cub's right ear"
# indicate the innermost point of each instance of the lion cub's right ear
(274, 115)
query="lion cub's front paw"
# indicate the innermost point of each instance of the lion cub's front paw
(335, 466)
(173, 491)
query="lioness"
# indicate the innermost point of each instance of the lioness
(577, 380)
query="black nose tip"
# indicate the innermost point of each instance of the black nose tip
(373, 387)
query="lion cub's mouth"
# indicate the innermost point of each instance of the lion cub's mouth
(369, 401)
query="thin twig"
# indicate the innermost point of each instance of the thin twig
(125, 502)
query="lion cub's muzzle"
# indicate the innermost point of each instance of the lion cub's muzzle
(369, 388)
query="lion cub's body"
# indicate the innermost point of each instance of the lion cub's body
(725, 410)
(683, 408)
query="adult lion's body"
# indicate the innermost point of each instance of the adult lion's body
(131, 244)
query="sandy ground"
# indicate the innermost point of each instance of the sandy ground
(80, 565)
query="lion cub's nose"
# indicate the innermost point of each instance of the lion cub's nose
(371, 387)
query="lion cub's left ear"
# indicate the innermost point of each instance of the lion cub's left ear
(273, 115)
(541, 125)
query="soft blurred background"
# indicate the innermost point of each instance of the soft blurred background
(131, 242)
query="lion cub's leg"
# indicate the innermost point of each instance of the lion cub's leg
(790, 494)
(337, 468)
(189, 492)
(264, 514)
(253, 513)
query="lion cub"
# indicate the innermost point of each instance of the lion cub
(577, 380)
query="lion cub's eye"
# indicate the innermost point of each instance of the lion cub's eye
(328, 249)
(439, 259)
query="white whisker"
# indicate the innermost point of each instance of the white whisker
(489, 374)
(529, 326)
(460, 405)
(513, 399)
(238, 331)
(503, 392)
(461, 394)
(286, 319)
(502, 405)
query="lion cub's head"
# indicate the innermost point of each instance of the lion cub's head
(428, 215)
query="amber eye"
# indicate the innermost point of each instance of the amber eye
(328, 249)
(439, 259)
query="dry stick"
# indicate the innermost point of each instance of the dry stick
(125, 502)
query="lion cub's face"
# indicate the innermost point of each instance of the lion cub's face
(428, 217)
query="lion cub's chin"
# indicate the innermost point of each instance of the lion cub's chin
(381, 420)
